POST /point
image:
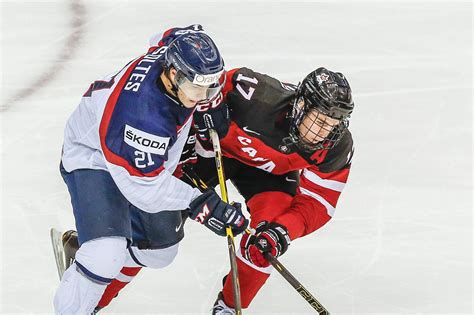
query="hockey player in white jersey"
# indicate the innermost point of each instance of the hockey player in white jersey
(121, 147)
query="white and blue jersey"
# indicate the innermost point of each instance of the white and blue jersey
(128, 126)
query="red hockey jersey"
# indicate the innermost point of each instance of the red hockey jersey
(258, 136)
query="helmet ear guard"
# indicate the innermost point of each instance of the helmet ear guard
(321, 92)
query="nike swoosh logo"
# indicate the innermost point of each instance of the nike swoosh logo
(246, 129)
(178, 227)
(290, 179)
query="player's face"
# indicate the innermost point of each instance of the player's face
(192, 100)
(315, 126)
(190, 94)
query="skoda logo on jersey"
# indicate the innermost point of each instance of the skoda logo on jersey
(207, 79)
(144, 141)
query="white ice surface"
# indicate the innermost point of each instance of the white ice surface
(401, 239)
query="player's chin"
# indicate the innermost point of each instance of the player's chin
(315, 140)
(189, 103)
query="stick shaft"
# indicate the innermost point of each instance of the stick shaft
(230, 236)
(296, 284)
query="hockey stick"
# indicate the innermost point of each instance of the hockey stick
(296, 284)
(194, 178)
(201, 185)
(230, 236)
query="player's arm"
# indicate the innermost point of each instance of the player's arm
(315, 202)
(311, 208)
(136, 159)
(141, 174)
(319, 191)
(140, 157)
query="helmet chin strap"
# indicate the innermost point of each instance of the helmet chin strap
(174, 87)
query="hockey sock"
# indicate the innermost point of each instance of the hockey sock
(125, 276)
(250, 279)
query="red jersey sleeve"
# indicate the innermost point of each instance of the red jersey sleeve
(315, 201)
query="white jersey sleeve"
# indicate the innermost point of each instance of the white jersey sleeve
(157, 193)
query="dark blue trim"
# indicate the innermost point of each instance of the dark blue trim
(91, 275)
(135, 258)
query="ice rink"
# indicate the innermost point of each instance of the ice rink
(401, 239)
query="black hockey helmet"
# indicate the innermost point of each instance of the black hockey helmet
(321, 92)
(198, 63)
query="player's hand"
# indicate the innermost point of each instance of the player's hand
(213, 118)
(270, 238)
(188, 156)
(215, 214)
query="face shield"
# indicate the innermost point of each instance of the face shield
(203, 87)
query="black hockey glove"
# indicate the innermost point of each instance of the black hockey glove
(214, 118)
(188, 156)
(215, 214)
(269, 237)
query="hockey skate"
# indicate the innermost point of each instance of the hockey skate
(65, 246)
(220, 308)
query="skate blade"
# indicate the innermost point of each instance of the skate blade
(56, 242)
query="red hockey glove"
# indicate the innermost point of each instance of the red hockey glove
(269, 237)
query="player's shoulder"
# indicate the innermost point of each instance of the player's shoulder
(148, 111)
(247, 85)
(244, 74)
(340, 156)
(139, 131)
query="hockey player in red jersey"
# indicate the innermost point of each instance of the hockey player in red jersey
(288, 151)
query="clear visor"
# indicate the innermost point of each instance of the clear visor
(200, 92)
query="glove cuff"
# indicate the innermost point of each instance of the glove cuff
(282, 234)
(197, 203)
